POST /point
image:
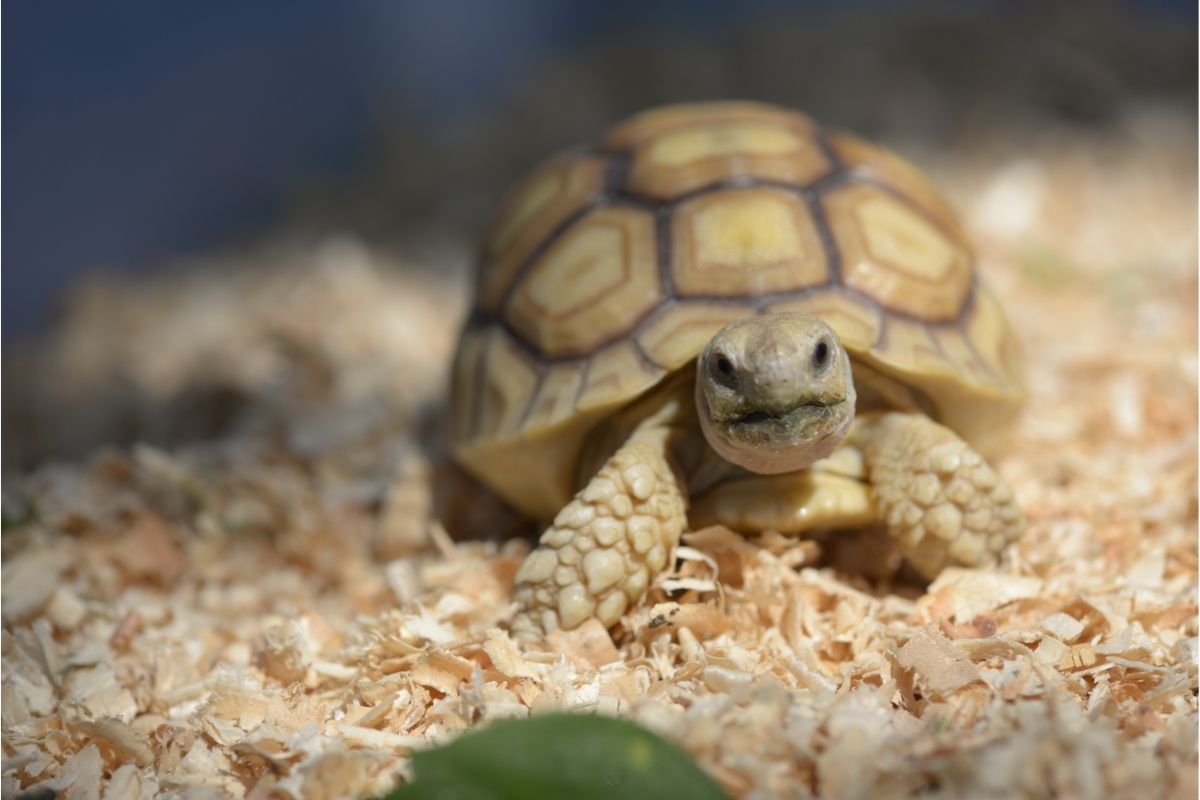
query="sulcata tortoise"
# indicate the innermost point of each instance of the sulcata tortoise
(726, 314)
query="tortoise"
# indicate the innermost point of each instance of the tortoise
(725, 314)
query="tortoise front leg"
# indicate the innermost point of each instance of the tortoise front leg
(607, 545)
(942, 503)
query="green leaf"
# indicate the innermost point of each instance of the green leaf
(557, 755)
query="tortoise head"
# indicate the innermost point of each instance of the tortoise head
(775, 393)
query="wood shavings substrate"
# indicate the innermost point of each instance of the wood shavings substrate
(264, 614)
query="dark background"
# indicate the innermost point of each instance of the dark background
(137, 132)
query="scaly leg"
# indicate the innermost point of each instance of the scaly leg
(942, 503)
(607, 545)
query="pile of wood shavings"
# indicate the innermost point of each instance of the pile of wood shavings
(257, 617)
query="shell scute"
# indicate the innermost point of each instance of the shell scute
(509, 380)
(551, 197)
(896, 256)
(689, 157)
(746, 243)
(883, 167)
(675, 336)
(857, 324)
(591, 286)
(614, 375)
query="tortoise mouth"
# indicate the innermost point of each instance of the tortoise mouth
(799, 426)
(770, 443)
(759, 417)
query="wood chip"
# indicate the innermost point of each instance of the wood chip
(1052, 652)
(128, 743)
(148, 551)
(125, 783)
(30, 579)
(442, 671)
(971, 593)
(505, 655)
(1062, 626)
(368, 737)
(1081, 656)
(65, 609)
(129, 626)
(934, 658)
(588, 644)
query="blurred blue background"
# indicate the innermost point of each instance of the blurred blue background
(135, 132)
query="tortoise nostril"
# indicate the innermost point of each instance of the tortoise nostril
(723, 369)
(821, 355)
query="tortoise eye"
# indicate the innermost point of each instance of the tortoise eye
(723, 370)
(821, 355)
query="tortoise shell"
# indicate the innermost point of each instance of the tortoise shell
(609, 268)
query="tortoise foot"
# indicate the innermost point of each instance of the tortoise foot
(942, 503)
(605, 547)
